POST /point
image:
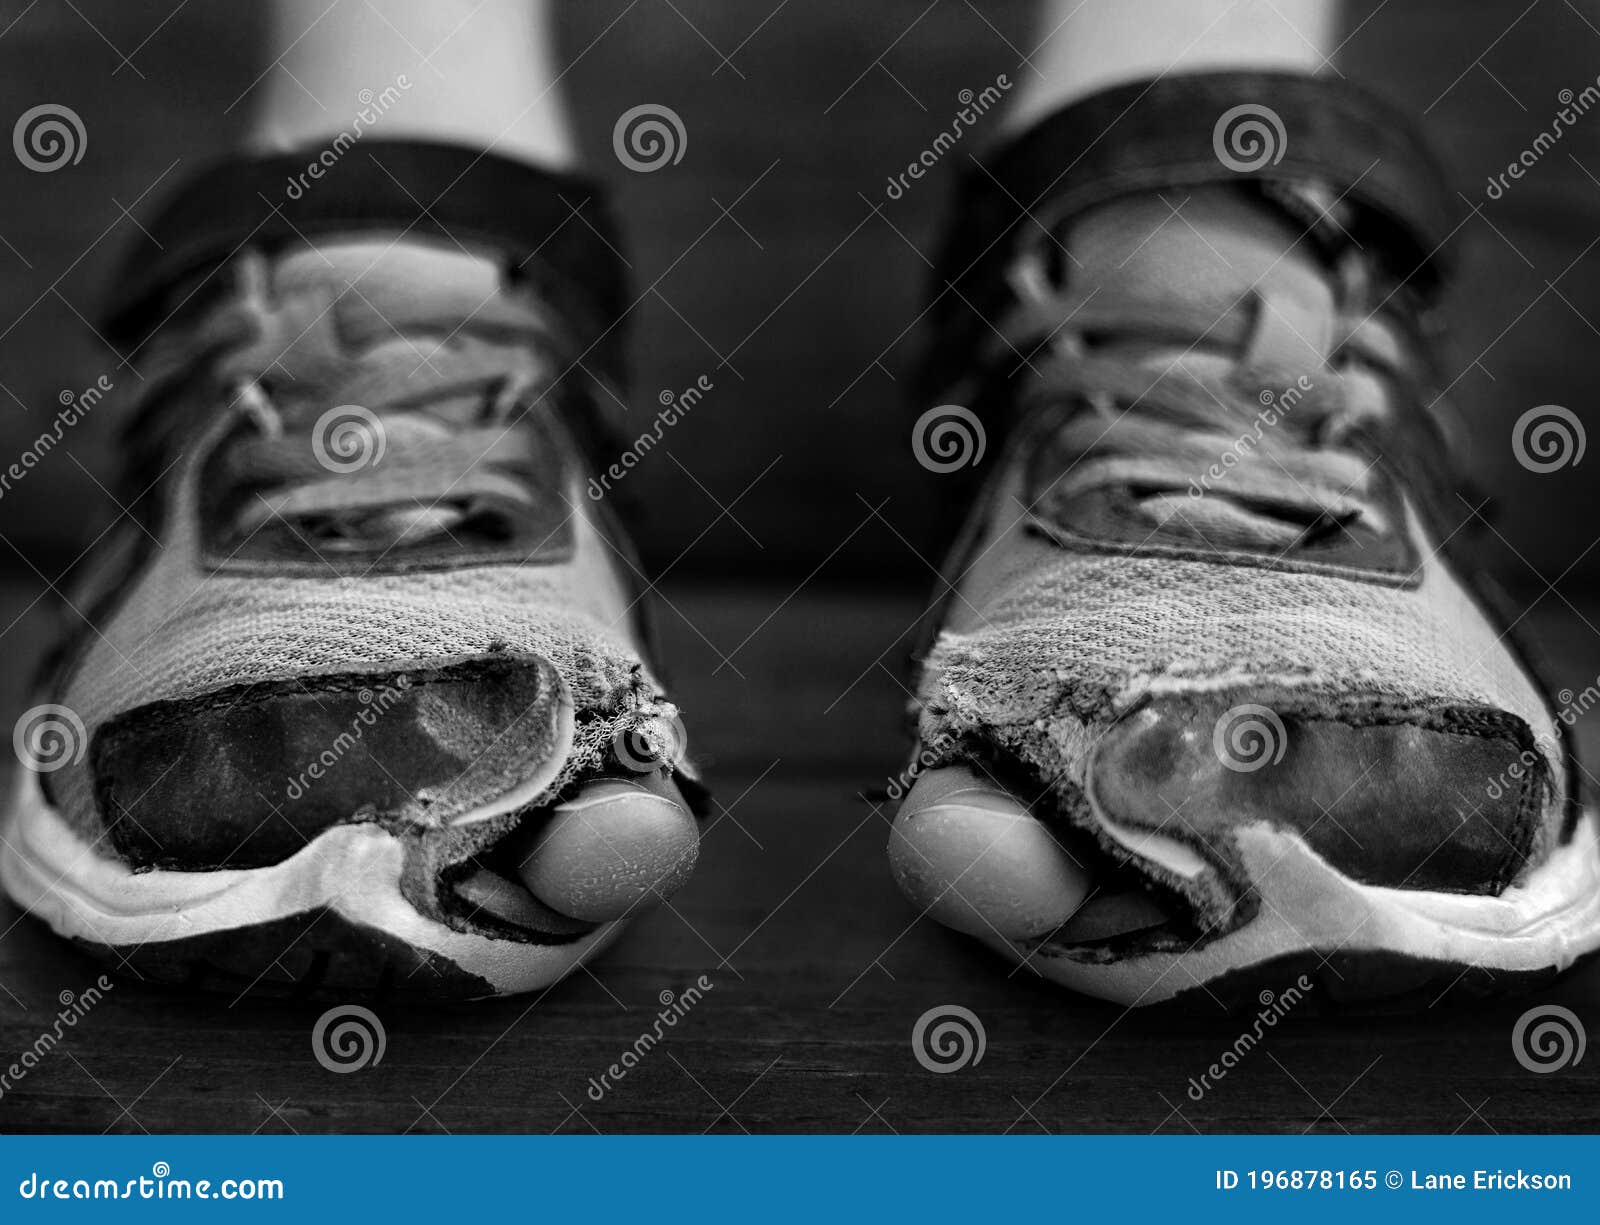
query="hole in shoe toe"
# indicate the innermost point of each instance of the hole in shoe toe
(486, 898)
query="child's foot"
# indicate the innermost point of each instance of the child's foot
(1214, 702)
(362, 701)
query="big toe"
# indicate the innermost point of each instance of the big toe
(611, 848)
(974, 858)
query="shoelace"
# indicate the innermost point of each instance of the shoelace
(412, 438)
(1290, 438)
(373, 479)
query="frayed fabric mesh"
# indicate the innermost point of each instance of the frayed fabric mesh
(179, 628)
(1049, 646)
(236, 631)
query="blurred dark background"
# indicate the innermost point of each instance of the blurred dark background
(799, 302)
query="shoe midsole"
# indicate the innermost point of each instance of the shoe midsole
(354, 870)
(1546, 921)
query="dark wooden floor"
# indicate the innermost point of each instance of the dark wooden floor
(819, 973)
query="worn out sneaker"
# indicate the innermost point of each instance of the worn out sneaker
(1215, 699)
(362, 701)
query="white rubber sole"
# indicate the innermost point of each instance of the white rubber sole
(1543, 924)
(352, 871)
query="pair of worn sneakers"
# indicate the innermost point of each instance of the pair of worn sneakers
(368, 689)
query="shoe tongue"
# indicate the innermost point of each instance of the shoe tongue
(1232, 289)
(383, 289)
(1210, 255)
(397, 278)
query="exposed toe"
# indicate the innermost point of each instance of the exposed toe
(611, 847)
(974, 858)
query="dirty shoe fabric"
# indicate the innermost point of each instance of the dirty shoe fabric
(366, 623)
(1210, 621)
